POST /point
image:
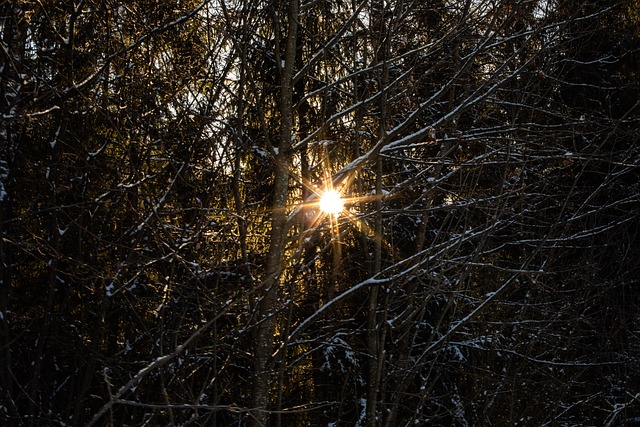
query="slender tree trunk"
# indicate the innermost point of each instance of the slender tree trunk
(6, 380)
(265, 331)
(13, 37)
(374, 338)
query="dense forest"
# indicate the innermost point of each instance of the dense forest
(165, 259)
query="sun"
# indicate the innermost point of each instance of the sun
(331, 202)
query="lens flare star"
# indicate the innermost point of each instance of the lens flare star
(331, 202)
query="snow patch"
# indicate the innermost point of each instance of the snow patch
(457, 353)
(4, 174)
(260, 152)
(363, 413)
(110, 290)
(337, 354)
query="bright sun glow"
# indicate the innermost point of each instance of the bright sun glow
(331, 202)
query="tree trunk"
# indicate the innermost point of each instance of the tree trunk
(375, 340)
(264, 338)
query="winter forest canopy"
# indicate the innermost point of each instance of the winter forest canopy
(167, 258)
